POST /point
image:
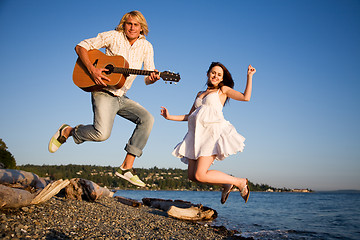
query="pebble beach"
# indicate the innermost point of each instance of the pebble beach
(106, 218)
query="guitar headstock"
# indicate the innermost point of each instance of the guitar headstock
(168, 76)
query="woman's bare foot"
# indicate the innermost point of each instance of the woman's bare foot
(245, 191)
(244, 188)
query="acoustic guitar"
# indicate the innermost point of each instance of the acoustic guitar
(117, 71)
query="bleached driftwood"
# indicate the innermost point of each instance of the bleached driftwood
(182, 209)
(128, 201)
(21, 179)
(49, 191)
(192, 213)
(14, 197)
(20, 188)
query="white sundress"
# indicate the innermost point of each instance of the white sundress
(208, 132)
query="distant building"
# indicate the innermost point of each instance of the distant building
(300, 190)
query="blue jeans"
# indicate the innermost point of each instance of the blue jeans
(105, 108)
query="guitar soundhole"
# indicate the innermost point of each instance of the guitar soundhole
(110, 69)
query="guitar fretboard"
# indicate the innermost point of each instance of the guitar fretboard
(128, 71)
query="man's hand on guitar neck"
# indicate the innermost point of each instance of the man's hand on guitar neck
(154, 76)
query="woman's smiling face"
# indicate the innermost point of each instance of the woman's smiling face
(215, 75)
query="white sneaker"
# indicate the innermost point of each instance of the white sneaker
(130, 175)
(57, 139)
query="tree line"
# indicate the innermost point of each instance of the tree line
(155, 178)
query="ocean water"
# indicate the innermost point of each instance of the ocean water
(276, 215)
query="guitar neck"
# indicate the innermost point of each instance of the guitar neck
(128, 71)
(166, 76)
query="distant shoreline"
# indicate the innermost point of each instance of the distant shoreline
(155, 178)
(339, 191)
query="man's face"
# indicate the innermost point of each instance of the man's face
(132, 29)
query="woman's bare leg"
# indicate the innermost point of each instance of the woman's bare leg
(204, 175)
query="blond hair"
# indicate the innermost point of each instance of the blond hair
(139, 17)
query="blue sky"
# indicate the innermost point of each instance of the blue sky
(301, 125)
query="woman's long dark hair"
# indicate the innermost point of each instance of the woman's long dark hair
(227, 78)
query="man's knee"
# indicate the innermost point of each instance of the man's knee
(149, 120)
(101, 136)
(146, 122)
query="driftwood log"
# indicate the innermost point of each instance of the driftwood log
(79, 189)
(199, 213)
(182, 209)
(129, 201)
(21, 179)
(49, 191)
(19, 188)
(15, 197)
(73, 190)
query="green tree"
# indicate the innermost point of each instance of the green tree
(6, 158)
(2, 144)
